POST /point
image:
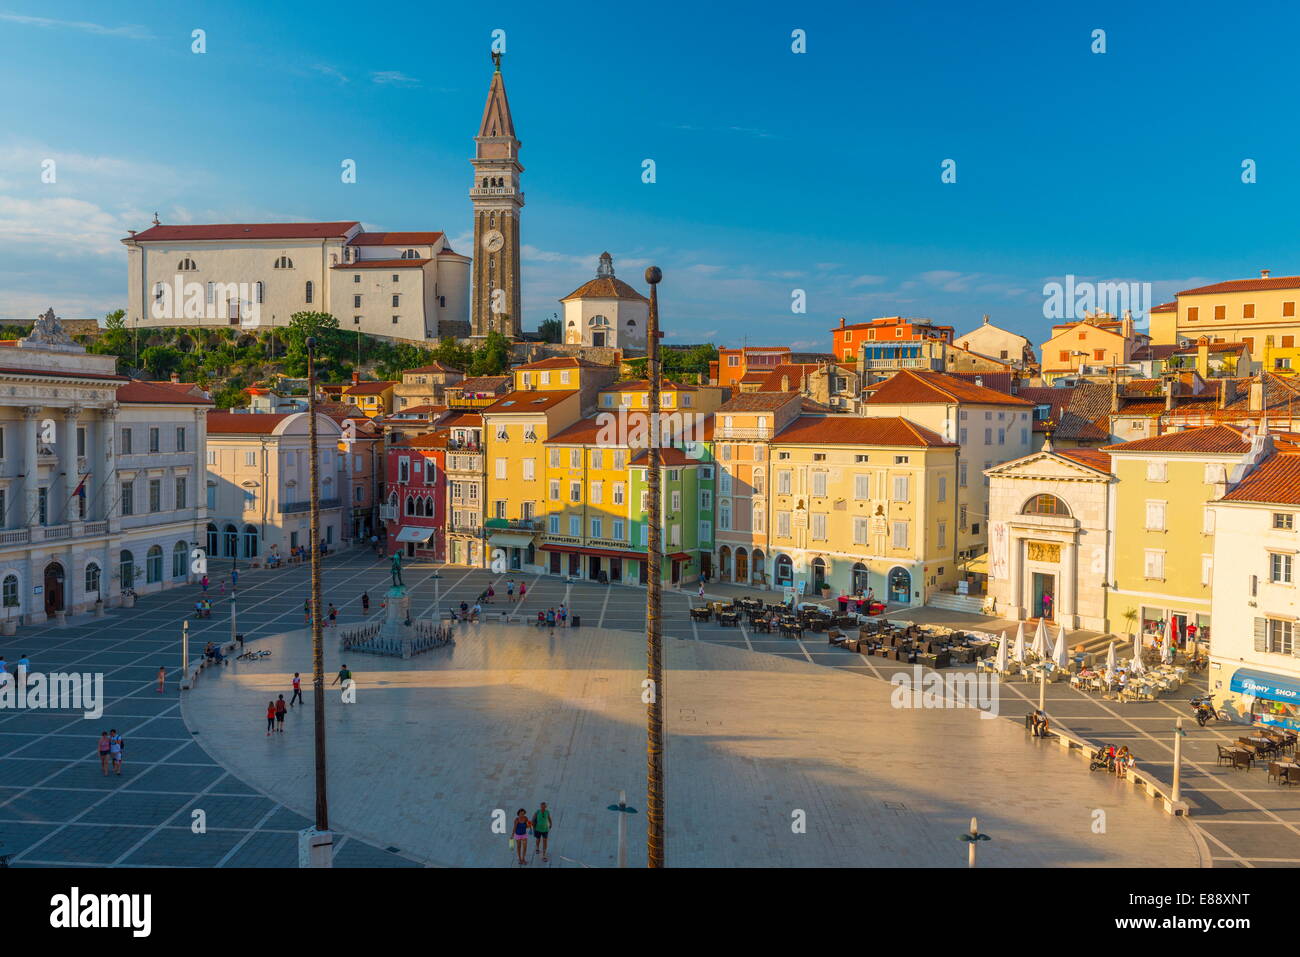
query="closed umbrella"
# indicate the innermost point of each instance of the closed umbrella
(1061, 655)
(1137, 667)
(1167, 644)
(1110, 662)
(1019, 653)
(1039, 648)
(1002, 654)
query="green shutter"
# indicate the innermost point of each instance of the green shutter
(1261, 634)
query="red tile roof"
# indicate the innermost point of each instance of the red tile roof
(160, 234)
(559, 362)
(481, 383)
(857, 430)
(1165, 307)
(605, 287)
(1245, 285)
(672, 457)
(463, 420)
(383, 264)
(1275, 481)
(909, 387)
(758, 402)
(1225, 439)
(792, 373)
(245, 423)
(432, 367)
(369, 388)
(138, 391)
(395, 239)
(520, 402)
(1093, 458)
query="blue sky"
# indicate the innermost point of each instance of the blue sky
(776, 171)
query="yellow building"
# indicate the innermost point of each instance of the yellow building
(673, 397)
(1163, 553)
(1239, 310)
(863, 505)
(1100, 340)
(564, 374)
(515, 430)
(372, 398)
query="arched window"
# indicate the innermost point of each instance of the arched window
(310, 290)
(153, 566)
(92, 579)
(410, 254)
(126, 568)
(250, 541)
(757, 571)
(180, 559)
(861, 579)
(724, 564)
(259, 291)
(818, 573)
(11, 591)
(597, 321)
(784, 570)
(758, 481)
(284, 262)
(230, 544)
(186, 265)
(1045, 505)
(213, 546)
(631, 323)
(410, 505)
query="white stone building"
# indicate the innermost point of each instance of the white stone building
(1050, 515)
(407, 285)
(99, 479)
(606, 312)
(1254, 651)
(994, 342)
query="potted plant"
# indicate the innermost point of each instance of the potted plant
(1130, 619)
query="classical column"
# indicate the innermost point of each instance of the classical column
(67, 446)
(1015, 563)
(31, 468)
(1069, 584)
(110, 495)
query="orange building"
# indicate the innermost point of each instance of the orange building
(734, 364)
(848, 339)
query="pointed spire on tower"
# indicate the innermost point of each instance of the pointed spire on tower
(496, 114)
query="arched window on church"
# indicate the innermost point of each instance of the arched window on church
(410, 254)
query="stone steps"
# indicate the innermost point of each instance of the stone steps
(970, 604)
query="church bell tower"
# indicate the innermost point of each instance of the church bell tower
(497, 200)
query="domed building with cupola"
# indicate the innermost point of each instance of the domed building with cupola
(606, 312)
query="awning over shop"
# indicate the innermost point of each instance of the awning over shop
(598, 552)
(414, 533)
(1261, 684)
(504, 540)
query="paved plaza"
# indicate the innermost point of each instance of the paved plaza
(769, 733)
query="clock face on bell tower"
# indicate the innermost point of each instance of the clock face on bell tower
(497, 201)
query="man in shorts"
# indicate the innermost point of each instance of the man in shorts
(542, 829)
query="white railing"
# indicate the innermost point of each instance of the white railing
(96, 528)
(55, 532)
(15, 536)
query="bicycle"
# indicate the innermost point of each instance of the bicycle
(253, 655)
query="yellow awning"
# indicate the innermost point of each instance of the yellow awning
(979, 565)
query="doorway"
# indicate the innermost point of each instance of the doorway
(593, 567)
(1044, 605)
(706, 566)
(598, 340)
(616, 569)
(575, 564)
(555, 563)
(677, 571)
(53, 588)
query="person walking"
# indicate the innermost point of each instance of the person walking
(162, 678)
(334, 615)
(365, 603)
(115, 748)
(306, 612)
(280, 709)
(550, 619)
(297, 690)
(103, 751)
(234, 578)
(270, 717)
(541, 830)
(491, 594)
(523, 592)
(699, 593)
(520, 838)
(344, 676)
(510, 589)
(23, 667)
(205, 584)
(562, 616)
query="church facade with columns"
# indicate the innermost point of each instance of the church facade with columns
(1050, 515)
(100, 479)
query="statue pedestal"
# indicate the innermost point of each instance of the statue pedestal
(397, 624)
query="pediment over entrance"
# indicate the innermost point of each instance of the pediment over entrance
(1048, 465)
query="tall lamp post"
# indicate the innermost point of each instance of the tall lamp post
(654, 647)
(319, 850)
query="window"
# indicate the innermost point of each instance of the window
(943, 488)
(726, 484)
(618, 493)
(126, 441)
(1157, 471)
(1279, 568)
(942, 539)
(900, 488)
(758, 481)
(619, 530)
(675, 501)
(597, 530)
(1284, 520)
(553, 524)
(706, 499)
(819, 484)
(1155, 517)
(861, 529)
(155, 495)
(900, 534)
(596, 493)
(128, 498)
(575, 526)
(1248, 310)
(92, 582)
(11, 590)
(1154, 563)
(575, 458)
(706, 532)
(862, 486)
(724, 516)
(1274, 635)
(553, 490)
(783, 482)
(250, 459)
(818, 526)
(501, 465)
(758, 518)
(153, 564)
(530, 469)
(783, 524)
(575, 491)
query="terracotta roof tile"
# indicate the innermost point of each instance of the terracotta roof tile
(382, 264)
(909, 387)
(160, 234)
(395, 239)
(1093, 458)
(857, 430)
(1245, 285)
(758, 402)
(1275, 481)
(138, 391)
(560, 362)
(519, 402)
(605, 287)
(1213, 439)
(245, 423)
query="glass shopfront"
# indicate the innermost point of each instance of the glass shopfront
(1276, 697)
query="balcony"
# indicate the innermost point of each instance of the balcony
(478, 191)
(514, 524)
(922, 362)
(465, 462)
(289, 508)
(723, 434)
(459, 529)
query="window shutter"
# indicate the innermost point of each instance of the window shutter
(1261, 634)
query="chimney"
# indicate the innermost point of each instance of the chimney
(176, 377)
(842, 322)
(1256, 402)
(1114, 395)
(1263, 274)
(356, 377)
(1203, 357)
(1171, 389)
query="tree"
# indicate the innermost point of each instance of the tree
(550, 330)
(492, 357)
(115, 319)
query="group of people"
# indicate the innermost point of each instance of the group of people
(203, 608)
(23, 666)
(551, 617)
(1039, 726)
(110, 751)
(1120, 759)
(539, 825)
(213, 653)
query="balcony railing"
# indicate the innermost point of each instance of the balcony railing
(730, 434)
(53, 533)
(495, 191)
(288, 508)
(459, 529)
(514, 524)
(14, 536)
(922, 362)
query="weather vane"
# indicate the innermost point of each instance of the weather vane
(496, 59)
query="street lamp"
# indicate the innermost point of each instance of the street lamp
(654, 648)
(320, 851)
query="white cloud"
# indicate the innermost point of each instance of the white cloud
(126, 32)
(393, 78)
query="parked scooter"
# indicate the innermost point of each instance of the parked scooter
(1204, 710)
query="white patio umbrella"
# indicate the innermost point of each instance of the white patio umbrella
(1061, 654)
(1039, 647)
(1019, 653)
(1110, 662)
(1137, 667)
(1167, 643)
(1001, 661)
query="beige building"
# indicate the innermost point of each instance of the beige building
(1050, 520)
(259, 482)
(407, 285)
(994, 342)
(606, 312)
(1098, 343)
(426, 385)
(466, 489)
(1259, 312)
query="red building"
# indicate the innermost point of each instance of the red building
(416, 511)
(849, 338)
